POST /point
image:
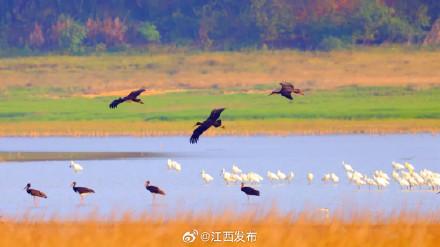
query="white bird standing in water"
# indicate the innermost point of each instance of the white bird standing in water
(326, 178)
(236, 170)
(227, 176)
(272, 176)
(347, 167)
(334, 178)
(75, 166)
(206, 177)
(310, 177)
(397, 166)
(254, 177)
(409, 167)
(290, 177)
(174, 165)
(281, 175)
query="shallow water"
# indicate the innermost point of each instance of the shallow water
(119, 183)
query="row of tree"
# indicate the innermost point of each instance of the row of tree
(81, 25)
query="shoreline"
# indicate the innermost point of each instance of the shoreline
(276, 127)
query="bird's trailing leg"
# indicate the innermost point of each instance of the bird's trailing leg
(81, 200)
(138, 101)
(35, 201)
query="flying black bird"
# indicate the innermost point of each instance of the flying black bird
(34, 193)
(133, 96)
(82, 191)
(249, 191)
(212, 120)
(287, 89)
(153, 189)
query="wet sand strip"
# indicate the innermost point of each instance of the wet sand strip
(49, 156)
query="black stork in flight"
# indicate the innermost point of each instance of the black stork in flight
(34, 193)
(153, 189)
(133, 96)
(82, 191)
(249, 191)
(287, 89)
(212, 120)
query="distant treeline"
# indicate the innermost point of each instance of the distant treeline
(81, 26)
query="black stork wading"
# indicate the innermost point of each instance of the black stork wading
(153, 189)
(82, 191)
(249, 191)
(35, 194)
(286, 90)
(212, 120)
(132, 97)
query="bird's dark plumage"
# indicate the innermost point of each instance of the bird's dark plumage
(133, 96)
(81, 190)
(34, 192)
(212, 120)
(249, 190)
(153, 189)
(286, 90)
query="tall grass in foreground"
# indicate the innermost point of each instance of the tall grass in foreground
(272, 229)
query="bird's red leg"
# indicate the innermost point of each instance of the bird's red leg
(35, 201)
(81, 200)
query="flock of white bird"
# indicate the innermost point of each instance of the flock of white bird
(405, 175)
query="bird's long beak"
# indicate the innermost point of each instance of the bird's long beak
(223, 127)
(270, 94)
(25, 187)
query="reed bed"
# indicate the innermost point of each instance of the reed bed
(270, 229)
(94, 74)
(274, 127)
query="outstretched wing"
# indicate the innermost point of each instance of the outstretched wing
(215, 114)
(116, 102)
(198, 132)
(134, 94)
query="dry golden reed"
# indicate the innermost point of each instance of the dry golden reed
(275, 127)
(272, 229)
(97, 74)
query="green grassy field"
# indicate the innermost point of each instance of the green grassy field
(348, 103)
(371, 90)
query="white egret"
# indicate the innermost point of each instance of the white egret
(75, 166)
(236, 170)
(310, 177)
(206, 177)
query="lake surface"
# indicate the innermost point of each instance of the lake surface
(119, 182)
